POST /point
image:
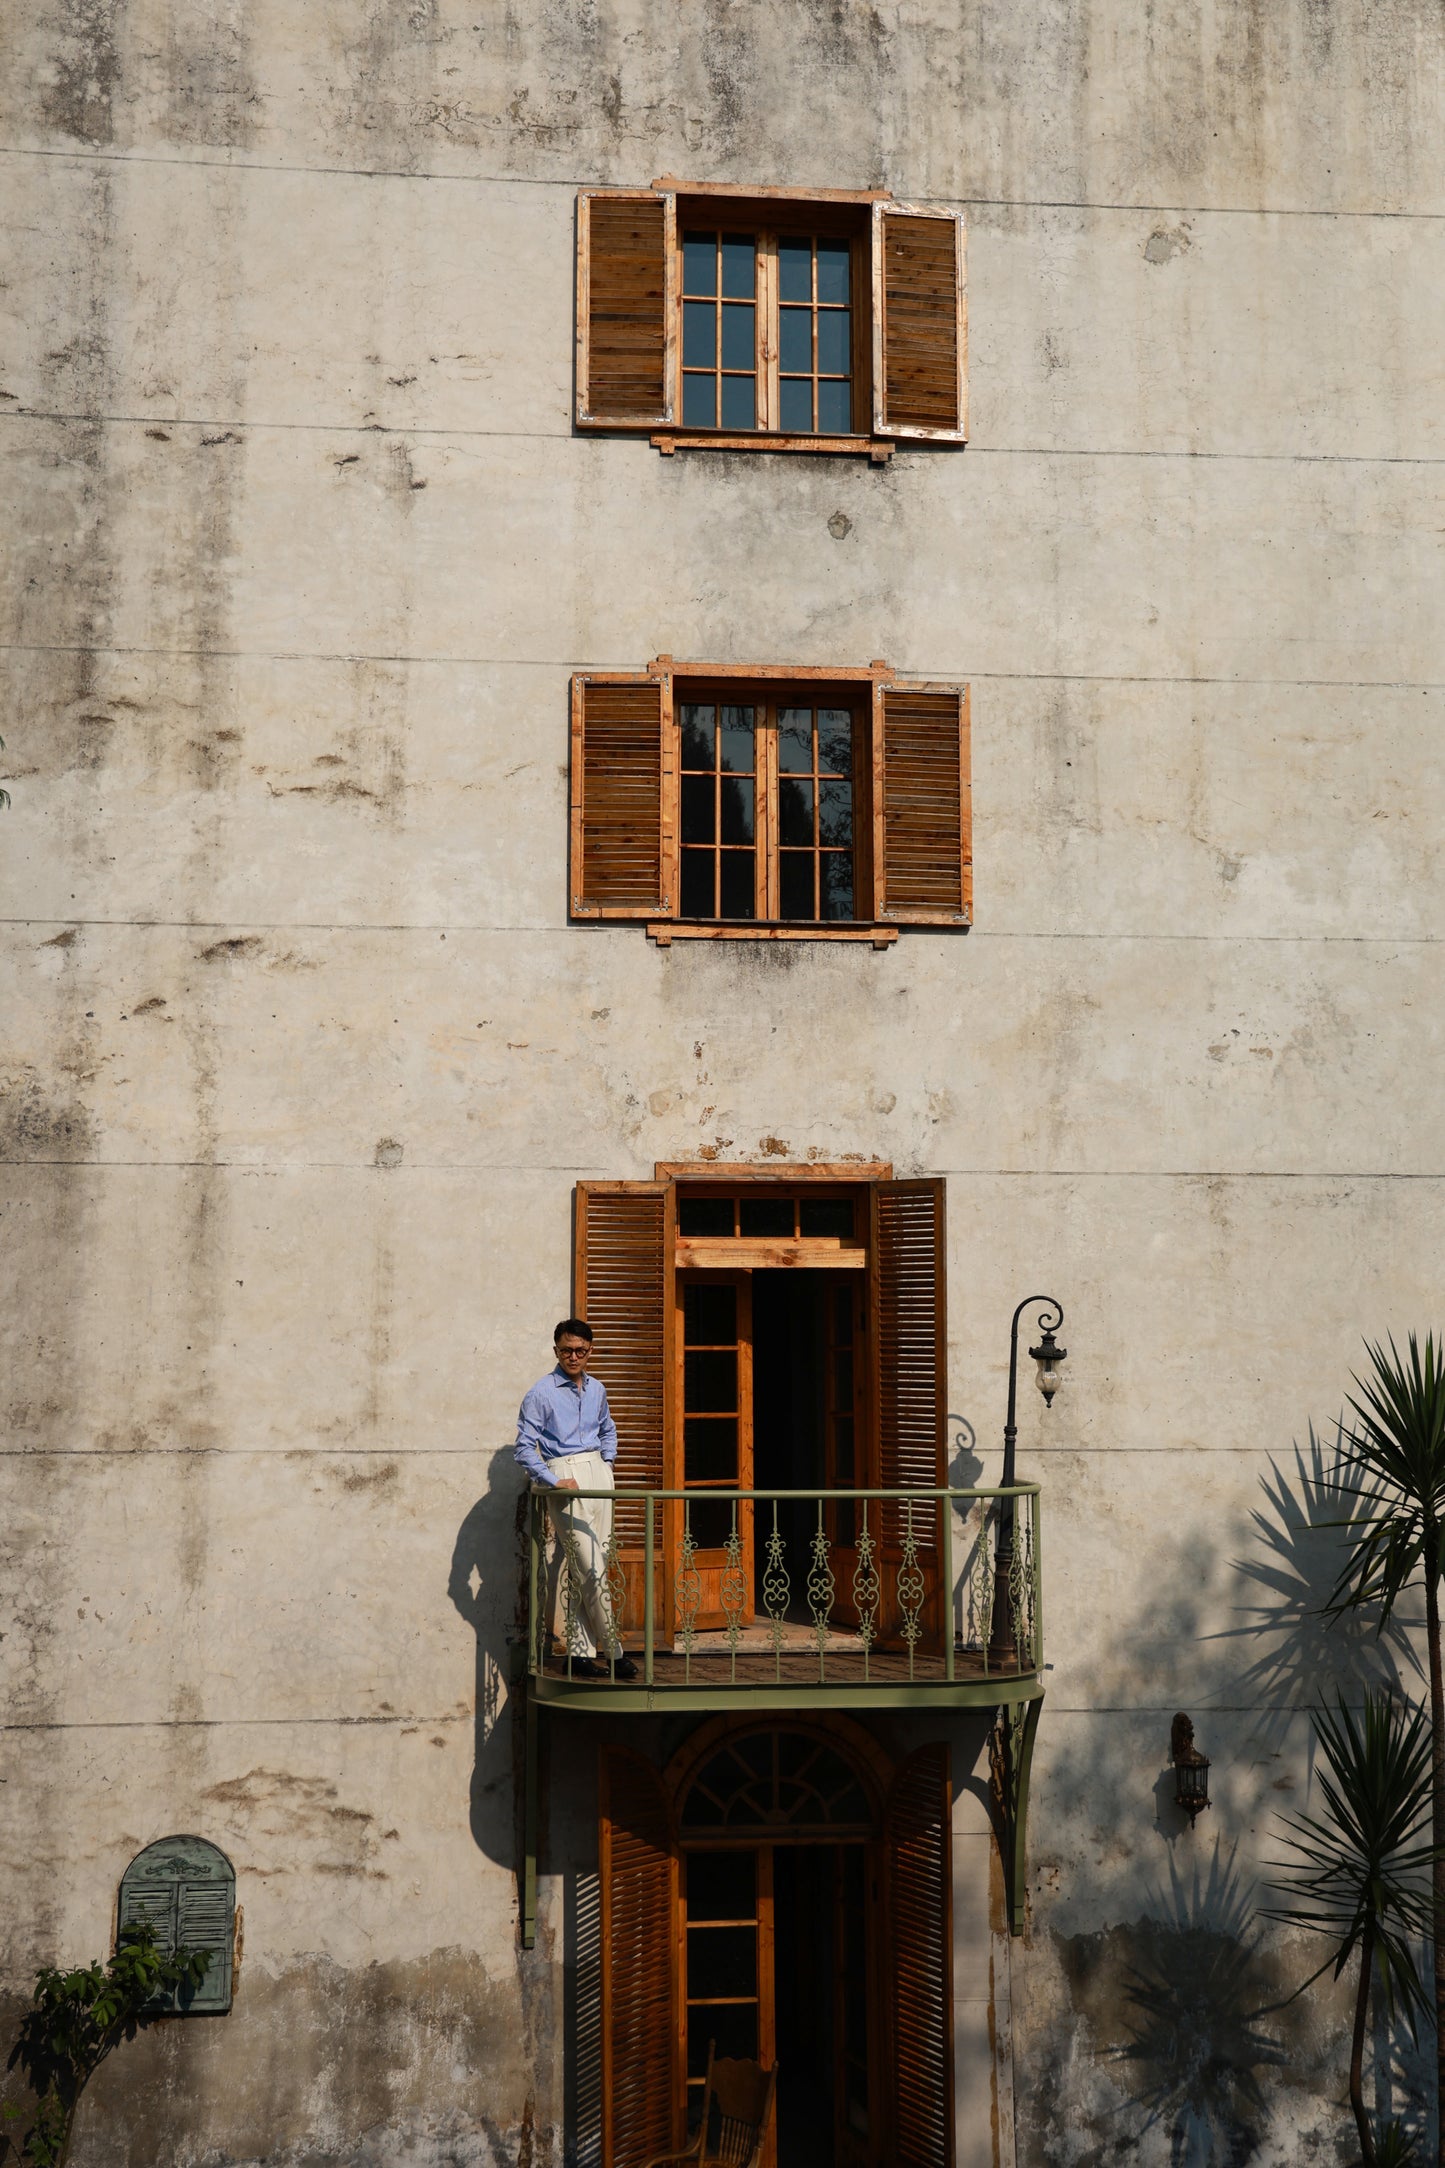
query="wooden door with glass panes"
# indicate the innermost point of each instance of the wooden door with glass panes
(710, 1537)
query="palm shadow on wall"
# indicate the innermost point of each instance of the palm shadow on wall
(1196, 1994)
(487, 1584)
(1292, 1653)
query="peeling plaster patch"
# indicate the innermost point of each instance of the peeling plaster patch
(231, 949)
(1165, 242)
(388, 1152)
(33, 1126)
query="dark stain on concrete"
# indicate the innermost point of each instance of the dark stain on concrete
(232, 948)
(78, 100)
(36, 1125)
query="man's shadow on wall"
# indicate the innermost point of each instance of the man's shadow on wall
(487, 1584)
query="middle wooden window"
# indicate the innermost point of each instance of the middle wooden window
(770, 811)
(772, 330)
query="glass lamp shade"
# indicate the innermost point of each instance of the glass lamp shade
(1050, 1377)
(1191, 1784)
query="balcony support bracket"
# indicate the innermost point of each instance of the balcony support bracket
(527, 1893)
(1012, 1753)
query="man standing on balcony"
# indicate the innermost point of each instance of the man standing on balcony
(567, 1440)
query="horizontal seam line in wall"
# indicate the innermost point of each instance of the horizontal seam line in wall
(977, 935)
(82, 155)
(232, 1723)
(565, 436)
(536, 662)
(491, 1169)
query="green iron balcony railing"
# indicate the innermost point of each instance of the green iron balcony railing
(714, 1591)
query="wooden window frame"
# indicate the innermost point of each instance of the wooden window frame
(860, 215)
(865, 687)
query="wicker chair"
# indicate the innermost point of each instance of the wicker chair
(744, 2094)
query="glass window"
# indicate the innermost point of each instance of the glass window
(718, 807)
(719, 330)
(807, 332)
(768, 807)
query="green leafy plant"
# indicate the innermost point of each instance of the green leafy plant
(1394, 1458)
(77, 2018)
(1360, 1875)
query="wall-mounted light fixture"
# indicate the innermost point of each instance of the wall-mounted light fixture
(1191, 1769)
(1048, 1355)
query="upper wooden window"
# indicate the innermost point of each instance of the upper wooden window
(770, 318)
(745, 802)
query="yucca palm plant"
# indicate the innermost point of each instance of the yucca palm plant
(1360, 1873)
(1395, 1454)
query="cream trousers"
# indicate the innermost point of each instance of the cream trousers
(583, 1526)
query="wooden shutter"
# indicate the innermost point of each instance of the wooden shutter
(641, 2088)
(206, 1921)
(623, 1287)
(623, 786)
(626, 311)
(918, 1933)
(922, 805)
(919, 323)
(908, 1332)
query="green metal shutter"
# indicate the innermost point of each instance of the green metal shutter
(185, 1889)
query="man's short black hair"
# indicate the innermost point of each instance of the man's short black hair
(575, 1328)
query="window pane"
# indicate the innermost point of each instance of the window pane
(712, 1522)
(703, 1216)
(795, 740)
(833, 270)
(699, 402)
(737, 885)
(699, 263)
(835, 741)
(795, 344)
(765, 1218)
(737, 808)
(835, 812)
(731, 2026)
(795, 405)
(699, 335)
(710, 1382)
(699, 871)
(835, 407)
(835, 880)
(721, 1885)
(699, 733)
(832, 341)
(795, 883)
(739, 406)
(795, 270)
(737, 741)
(796, 808)
(697, 809)
(722, 1961)
(739, 350)
(739, 252)
(710, 1312)
(826, 1216)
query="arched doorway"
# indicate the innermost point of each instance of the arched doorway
(783, 1890)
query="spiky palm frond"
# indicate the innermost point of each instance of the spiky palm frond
(1396, 1451)
(1359, 1864)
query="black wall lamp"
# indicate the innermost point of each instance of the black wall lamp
(1191, 1769)
(1048, 1355)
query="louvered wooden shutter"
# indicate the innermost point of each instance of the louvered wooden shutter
(623, 1286)
(919, 323)
(918, 1930)
(185, 1889)
(922, 805)
(908, 1330)
(626, 312)
(641, 2088)
(623, 785)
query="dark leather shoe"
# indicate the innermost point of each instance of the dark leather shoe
(625, 1668)
(587, 1667)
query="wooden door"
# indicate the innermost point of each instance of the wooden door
(907, 1345)
(621, 1286)
(712, 1581)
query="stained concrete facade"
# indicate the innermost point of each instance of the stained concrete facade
(301, 1058)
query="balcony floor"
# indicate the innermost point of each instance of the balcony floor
(795, 1665)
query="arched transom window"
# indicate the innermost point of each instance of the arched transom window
(774, 1781)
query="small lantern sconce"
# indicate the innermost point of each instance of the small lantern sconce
(1191, 1768)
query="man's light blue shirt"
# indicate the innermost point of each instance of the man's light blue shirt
(559, 1418)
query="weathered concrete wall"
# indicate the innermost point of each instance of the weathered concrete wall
(301, 1059)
